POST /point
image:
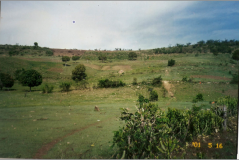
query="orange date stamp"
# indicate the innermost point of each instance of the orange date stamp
(210, 145)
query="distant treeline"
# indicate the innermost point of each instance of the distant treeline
(209, 46)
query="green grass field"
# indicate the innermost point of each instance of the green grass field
(65, 125)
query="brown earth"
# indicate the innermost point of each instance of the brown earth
(67, 52)
(167, 86)
(59, 70)
(210, 77)
(44, 149)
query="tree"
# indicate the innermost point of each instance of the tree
(65, 59)
(6, 80)
(235, 55)
(74, 58)
(135, 81)
(102, 57)
(132, 56)
(79, 72)
(31, 78)
(35, 45)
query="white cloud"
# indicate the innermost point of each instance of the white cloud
(105, 25)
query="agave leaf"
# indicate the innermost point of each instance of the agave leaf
(123, 155)
(162, 145)
(160, 150)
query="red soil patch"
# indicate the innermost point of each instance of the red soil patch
(67, 52)
(210, 77)
(59, 70)
(44, 149)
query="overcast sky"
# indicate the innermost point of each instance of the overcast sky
(117, 24)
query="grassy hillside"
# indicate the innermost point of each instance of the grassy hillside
(67, 124)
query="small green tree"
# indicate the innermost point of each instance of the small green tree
(65, 59)
(6, 80)
(30, 78)
(235, 55)
(153, 96)
(35, 45)
(17, 74)
(65, 86)
(79, 72)
(171, 62)
(185, 79)
(132, 56)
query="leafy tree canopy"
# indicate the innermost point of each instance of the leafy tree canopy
(31, 78)
(79, 72)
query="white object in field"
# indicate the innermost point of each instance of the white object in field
(98, 120)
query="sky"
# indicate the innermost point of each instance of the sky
(117, 24)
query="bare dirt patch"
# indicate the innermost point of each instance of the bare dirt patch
(210, 77)
(43, 151)
(67, 52)
(106, 68)
(167, 86)
(93, 66)
(124, 68)
(59, 70)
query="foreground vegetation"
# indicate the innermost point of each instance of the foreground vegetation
(59, 113)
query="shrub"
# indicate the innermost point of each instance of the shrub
(106, 83)
(82, 84)
(185, 79)
(6, 80)
(102, 57)
(196, 55)
(171, 62)
(74, 58)
(132, 56)
(49, 53)
(235, 55)
(13, 52)
(154, 134)
(153, 96)
(144, 82)
(47, 88)
(157, 81)
(199, 97)
(135, 81)
(65, 86)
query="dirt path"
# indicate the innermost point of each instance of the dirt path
(44, 149)
(167, 86)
